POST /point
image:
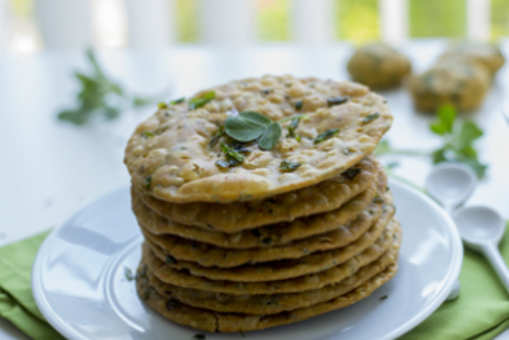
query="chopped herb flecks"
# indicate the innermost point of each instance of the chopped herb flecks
(215, 138)
(201, 100)
(325, 135)
(178, 101)
(147, 134)
(129, 275)
(148, 182)
(233, 157)
(336, 100)
(294, 124)
(288, 166)
(371, 117)
(162, 105)
(172, 304)
(170, 259)
(351, 173)
(298, 105)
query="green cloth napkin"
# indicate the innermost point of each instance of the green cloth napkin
(16, 301)
(481, 311)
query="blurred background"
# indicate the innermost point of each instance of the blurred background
(29, 26)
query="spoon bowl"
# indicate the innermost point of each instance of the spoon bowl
(451, 184)
(478, 225)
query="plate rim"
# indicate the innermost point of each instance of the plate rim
(62, 327)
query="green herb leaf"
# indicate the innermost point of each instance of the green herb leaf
(298, 105)
(325, 135)
(270, 136)
(371, 117)
(162, 105)
(147, 134)
(445, 121)
(201, 100)
(231, 154)
(288, 166)
(336, 100)
(246, 126)
(148, 182)
(128, 274)
(294, 124)
(178, 101)
(215, 138)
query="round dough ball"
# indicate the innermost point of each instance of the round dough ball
(487, 54)
(461, 84)
(378, 66)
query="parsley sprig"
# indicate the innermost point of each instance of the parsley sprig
(458, 142)
(99, 96)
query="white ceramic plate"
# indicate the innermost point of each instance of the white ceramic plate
(80, 286)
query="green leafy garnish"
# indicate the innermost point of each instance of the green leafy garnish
(246, 126)
(458, 142)
(288, 166)
(294, 124)
(459, 138)
(201, 100)
(249, 126)
(325, 135)
(371, 117)
(233, 157)
(148, 134)
(128, 274)
(215, 138)
(336, 100)
(98, 95)
(178, 101)
(270, 136)
(148, 182)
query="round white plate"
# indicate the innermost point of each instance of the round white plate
(80, 285)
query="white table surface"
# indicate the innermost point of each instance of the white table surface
(50, 169)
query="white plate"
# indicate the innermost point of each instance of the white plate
(80, 286)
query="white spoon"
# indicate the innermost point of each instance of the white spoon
(481, 229)
(451, 184)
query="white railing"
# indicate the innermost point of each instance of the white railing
(151, 23)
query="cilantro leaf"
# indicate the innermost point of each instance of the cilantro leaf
(445, 122)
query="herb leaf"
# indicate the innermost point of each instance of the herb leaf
(148, 182)
(325, 135)
(445, 122)
(294, 124)
(99, 95)
(270, 136)
(231, 154)
(288, 166)
(201, 100)
(178, 101)
(246, 126)
(336, 100)
(371, 117)
(215, 138)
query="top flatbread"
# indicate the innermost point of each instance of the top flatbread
(170, 157)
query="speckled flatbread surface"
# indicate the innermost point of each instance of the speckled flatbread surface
(317, 280)
(271, 303)
(235, 322)
(236, 216)
(211, 256)
(379, 66)
(178, 164)
(290, 268)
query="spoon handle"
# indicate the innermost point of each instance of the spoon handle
(492, 253)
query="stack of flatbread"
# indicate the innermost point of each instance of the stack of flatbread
(260, 203)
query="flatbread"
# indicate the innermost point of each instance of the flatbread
(211, 256)
(285, 269)
(307, 282)
(236, 216)
(170, 155)
(229, 322)
(273, 303)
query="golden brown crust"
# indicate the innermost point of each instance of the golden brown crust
(177, 164)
